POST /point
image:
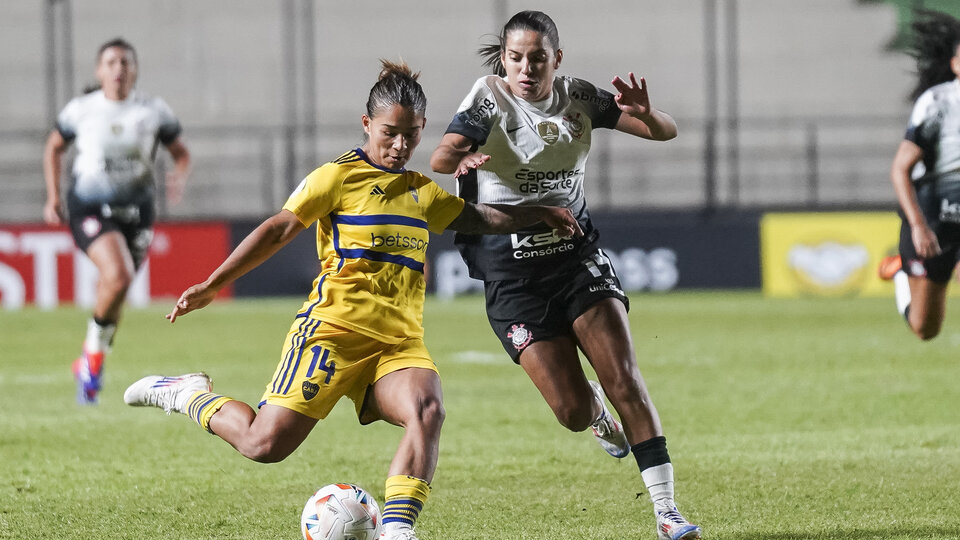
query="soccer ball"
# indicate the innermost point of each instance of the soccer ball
(340, 512)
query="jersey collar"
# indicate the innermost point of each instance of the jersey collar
(366, 158)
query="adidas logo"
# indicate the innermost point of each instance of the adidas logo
(377, 190)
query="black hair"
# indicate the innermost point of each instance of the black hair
(934, 42)
(397, 85)
(536, 21)
(117, 42)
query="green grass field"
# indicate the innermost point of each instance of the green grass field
(786, 420)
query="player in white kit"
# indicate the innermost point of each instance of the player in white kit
(926, 179)
(522, 136)
(110, 199)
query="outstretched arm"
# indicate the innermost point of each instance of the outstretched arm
(453, 155)
(177, 178)
(639, 118)
(271, 235)
(505, 218)
(924, 239)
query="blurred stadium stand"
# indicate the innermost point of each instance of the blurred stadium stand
(780, 103)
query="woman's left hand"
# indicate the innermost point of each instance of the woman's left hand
(473, 160)
(633, 98)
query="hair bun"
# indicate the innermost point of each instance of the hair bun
(401, 69)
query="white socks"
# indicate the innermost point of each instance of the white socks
(659, 481)
(98, 337)
(901, 288)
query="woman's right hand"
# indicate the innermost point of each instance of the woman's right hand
(925, 241)
(192, 299)
(52, 214)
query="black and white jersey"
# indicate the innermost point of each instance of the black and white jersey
(538, 155)
(116, 145)
(935, 127)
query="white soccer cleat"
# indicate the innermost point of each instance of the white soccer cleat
(673, 526)
(399, 534)
(607, 430)
(168, 393)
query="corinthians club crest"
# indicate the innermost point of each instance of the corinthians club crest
(519, 336)
(574, 125)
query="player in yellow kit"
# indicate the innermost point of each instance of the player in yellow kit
(360, 333)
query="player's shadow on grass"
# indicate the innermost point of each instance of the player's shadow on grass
(884, 533)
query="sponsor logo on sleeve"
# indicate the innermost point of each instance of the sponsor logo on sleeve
(479, 112)
(601, 103)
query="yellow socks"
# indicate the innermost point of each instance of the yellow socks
(404, 496)
(202, 405)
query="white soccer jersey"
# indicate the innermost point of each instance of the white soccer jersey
(935, 127)
(116, 144)
(538, 156)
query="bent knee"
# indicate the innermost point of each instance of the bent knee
(432, 412)
(266, 451)
(118, 279)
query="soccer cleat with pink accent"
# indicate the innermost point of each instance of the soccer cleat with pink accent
(889, 266)
(606, 429)
(168, 393)
(673, 526)
(87, 370)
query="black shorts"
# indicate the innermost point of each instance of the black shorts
(89, 221)
(935, 206)
(524, 311)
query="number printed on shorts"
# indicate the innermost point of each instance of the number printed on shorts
(321, 361)
(595, 261)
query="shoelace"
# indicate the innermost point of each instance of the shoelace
(158, 397)
(405, 534)
(672, 515)
(603, 427)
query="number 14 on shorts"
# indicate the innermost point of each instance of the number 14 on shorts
(321, 361)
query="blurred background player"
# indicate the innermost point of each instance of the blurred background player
(926, 178)
(360, 333)
(110, 200)
(522, 136)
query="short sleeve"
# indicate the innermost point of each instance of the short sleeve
(477, 114)
(441, 207)
(168, 128)
(923, 128)
(600, 104)
(317, 194)
(67, 120)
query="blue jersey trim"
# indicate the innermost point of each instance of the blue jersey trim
(297, 343)
(378, 219)
(366, 158)
(380, 256)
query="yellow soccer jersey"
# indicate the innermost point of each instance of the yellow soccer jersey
(372, 236)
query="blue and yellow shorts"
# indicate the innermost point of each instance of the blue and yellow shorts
(322, 363)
